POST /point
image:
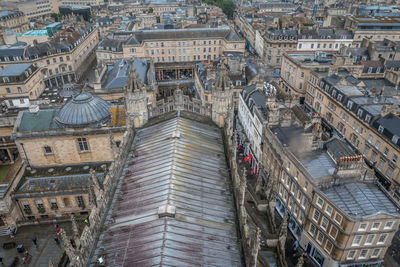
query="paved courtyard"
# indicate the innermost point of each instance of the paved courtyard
(46, 250)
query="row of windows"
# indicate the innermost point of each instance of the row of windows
(81, 141)
(180, 52)
(182, 43)
(363, 254)
(323, 46)
(53, 204)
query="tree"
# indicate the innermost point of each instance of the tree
(227, 6)
(150, 10)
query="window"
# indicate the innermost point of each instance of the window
(320, 237)
(370, 138)
(356, 240)
(53, 203)
(381, 128)
(21, 101)
(312, 229)
(79, 200)
(25, 205)
(333, 232)
(19, 90)
(389, 172)
(305, 186)
(395, 138)
(54, 60)
(378, 144)
(339, 97)
(328, 210)
(349, 104)
(338, 218)
(386, 151)
(366, 151)
(68, 58)
(368, 118)
(316, 215)
(363, 254)
(375, 226)
(380, 165)
(351, 254)
(320, 202)
(48, 150)
(61, 59)
(8, 90)
(362, 227)
(83, 145)
(394, 159)
(388, 225)
(376, 253)
(328, 246)
(370, 239)
(324, 223)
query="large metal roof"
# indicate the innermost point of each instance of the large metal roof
(180, 163)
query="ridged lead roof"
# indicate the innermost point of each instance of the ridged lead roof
(180, 163)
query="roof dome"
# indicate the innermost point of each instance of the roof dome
(84, 110)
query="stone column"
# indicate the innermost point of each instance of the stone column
(75, 232)
(255, 247)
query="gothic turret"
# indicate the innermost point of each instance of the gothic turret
(221, 95)
(136, 98)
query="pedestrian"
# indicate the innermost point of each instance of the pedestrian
(58, 230)
(86, 221)
(34, 240)
(57, 240)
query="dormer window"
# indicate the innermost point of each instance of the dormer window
(349, 104)
(381, 128)
(368, 118)
(6, 79)
(395, 139)
(359, 113)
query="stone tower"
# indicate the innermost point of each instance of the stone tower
(136, 99)
(222, 101)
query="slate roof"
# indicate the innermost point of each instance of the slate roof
(117, 74)
(189, 173)
(337, 149)
(14, 70)
(391, 123)
(57, 183)
(360, 199)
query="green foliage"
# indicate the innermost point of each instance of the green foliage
(150, 10)
(227, 6)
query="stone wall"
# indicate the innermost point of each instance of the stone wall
(101, 196)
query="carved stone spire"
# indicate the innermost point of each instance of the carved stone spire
(69, 250)
(95, 180)
(134, 82)
(255, 247)
(283, 234)
(242, 187)
(114, 147)
(300, 262)
(75, 231)
(92, 194)
(222, 79)
(235, 144)
(259, 179)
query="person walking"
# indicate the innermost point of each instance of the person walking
(57, 240)
(34, 240)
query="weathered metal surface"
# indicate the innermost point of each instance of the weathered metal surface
(188, 172)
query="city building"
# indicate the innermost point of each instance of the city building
(363, 112)
(375, 28)
(324, 39)
(13, 20)
(183, 45)
(19, 84)
(337, 211)
(276, 42)
(63, 59)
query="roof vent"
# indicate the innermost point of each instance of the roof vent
(176, 134)
(34, 109)
(166, 211)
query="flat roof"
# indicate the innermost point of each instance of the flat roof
(318, 163)
(188, 172)
(14, 70)
(360, 199)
